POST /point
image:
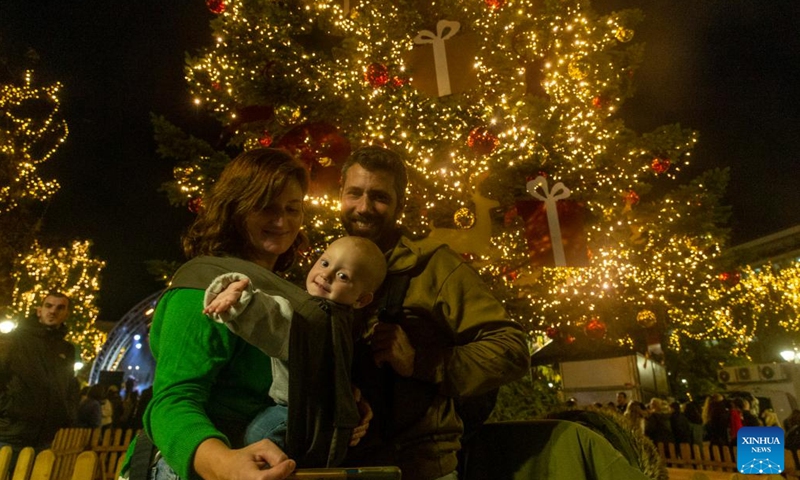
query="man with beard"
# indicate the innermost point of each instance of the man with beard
(449, 340)
(39, 393)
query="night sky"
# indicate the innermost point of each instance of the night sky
(727, 68)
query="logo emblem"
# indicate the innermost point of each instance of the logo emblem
(759, 450)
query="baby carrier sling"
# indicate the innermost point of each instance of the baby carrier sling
(322, 411)
(473, 410)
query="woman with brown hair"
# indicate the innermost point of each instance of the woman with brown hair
(209, 383)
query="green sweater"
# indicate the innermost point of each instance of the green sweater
(209, 383)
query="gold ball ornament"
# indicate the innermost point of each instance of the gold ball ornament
(288, 114)
(464, 218)
(623, 34)
(578, 69)
(252, 144)
(325, 161)
(646, 318)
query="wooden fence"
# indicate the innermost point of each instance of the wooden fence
(706, 462)
(76, 454)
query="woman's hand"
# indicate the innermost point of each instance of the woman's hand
(366, 415)
(262, 460)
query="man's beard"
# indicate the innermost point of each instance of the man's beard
(367, 226)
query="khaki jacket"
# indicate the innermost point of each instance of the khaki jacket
(465, 344)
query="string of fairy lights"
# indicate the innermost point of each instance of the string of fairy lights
(535, 89)
(29, 136)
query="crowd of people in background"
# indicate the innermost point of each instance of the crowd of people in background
(103, 406)
(716, 420)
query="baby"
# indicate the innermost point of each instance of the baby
(348, 273)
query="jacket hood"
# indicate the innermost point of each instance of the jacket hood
(409, 253)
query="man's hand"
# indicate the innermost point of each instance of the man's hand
(366, 415)
(262, 460)
(390, 345)
(227, 298)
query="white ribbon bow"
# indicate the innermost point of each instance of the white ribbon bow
(444, 30)
(550, 197)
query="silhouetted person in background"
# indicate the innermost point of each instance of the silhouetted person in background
(39, 393)
(90, 411)
(716, 419)
(141, 406)
(115, 399)
(694, 414)
(681, 428)
(622, 402)
(658, 422)
(748, 418)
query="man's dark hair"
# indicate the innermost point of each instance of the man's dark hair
(374, 158)
(57, 294)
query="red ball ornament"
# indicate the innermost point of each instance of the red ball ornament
(730, 279)
(398, 82)
(195, 205)
(553, 332)
(495, 4)
(509, 216)
(216, 86)
(598, 102)
(660, 165)
(216, 6)
(377, 75)
(595, 329)
(482, 141)
(265, 140)
(632, 198)
(322, 149)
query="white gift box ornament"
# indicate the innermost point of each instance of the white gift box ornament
(550, 197)
(444, 30)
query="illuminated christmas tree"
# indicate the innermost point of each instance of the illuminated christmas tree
(71, 271)
(506, 111)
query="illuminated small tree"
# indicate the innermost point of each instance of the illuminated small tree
(760, 310)
(71, 271)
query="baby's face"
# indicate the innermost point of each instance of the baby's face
(337, 275)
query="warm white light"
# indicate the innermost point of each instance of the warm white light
(788, 355)
(7, 326)
(78, 366)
